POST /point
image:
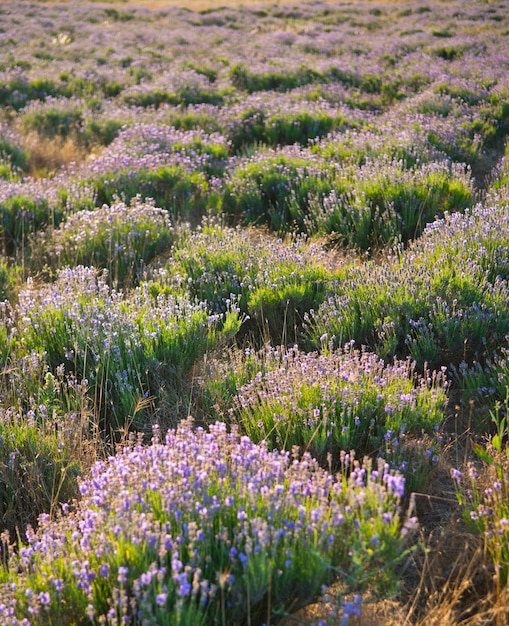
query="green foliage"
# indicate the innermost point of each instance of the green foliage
(256, 126)
(42, 439)
(245, 80)
(291, 128)
(52, 122)
(19, 90)
(326, 403)
(9, 279)
(362, 206)
(280, 305)
(189, 120)
(75, 123)
(37, 471)
(101, 132)
(120, 238)
(274, 190)
(450, 53)
(171, 187)
(485, 508)
(184, 96)
(204, 70)
(273, 284)
(13, 155)
(119, 16)
(131, 350)
(22, 216)
(441, 301)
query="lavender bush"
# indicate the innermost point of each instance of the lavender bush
(384, 201)
(119, 238)
(372, 205)
(128, 349)
(206, 527)
(274, 283)
(72, 119)
(13, 158)
(274, 189)
(38, 466)
(443, 299)
(482, 490)
(326, 403)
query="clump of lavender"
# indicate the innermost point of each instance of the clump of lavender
(383, 200)
(120, 238)
(13, 158)
(30, 205)
(363, 205)
(274, 187)
(443, 300)
(281, 119)
(341, 400)
(129, 348)
(204, 528)
(275, 282)
(39, 464)
(157, 161)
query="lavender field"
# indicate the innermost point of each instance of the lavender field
(254, 313)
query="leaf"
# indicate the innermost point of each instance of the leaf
(483, 455)
(496, 442)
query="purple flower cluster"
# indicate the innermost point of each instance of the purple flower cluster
(172, 528)
(105, 336)
(119, 237)
(336, 401)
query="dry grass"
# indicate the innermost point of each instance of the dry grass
(47, 155)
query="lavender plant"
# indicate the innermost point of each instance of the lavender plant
(120, 238)
(482, 490)
(38, 469)
(365, 206)
(10, 279)
(206, 528)
(155, 161)
(44, 435)
(78, 120)
(385, 201)
(13, 158)
(443, 299)
(21, 216)
(274, 283)
(328, 402)
(281, 121)
(52, 122)
(274, 189)
(30, 206)
(127, 348)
